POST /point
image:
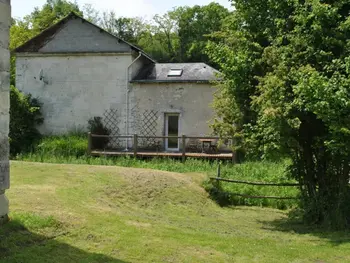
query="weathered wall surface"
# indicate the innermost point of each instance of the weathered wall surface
(75, 88)
(191, 101)
(79, 36)
(5, 18)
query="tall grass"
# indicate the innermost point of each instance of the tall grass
(67, 146)
(72, 150)
(267, 172)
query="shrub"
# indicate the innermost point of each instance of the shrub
(73, 145)
(25, 115)
(95, 126)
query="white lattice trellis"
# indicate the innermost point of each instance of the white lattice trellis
(111, 120)
(149, 128)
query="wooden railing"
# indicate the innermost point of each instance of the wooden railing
(135, 141)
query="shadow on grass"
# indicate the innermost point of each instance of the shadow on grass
(18, 244)
(297, 226)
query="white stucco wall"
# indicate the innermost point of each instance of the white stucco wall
(191, 101)
(75, 88)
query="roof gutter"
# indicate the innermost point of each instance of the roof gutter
(127, 98)
(171, 81)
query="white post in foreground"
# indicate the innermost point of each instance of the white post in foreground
(5, 22)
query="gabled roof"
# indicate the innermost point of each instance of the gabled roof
(191, 72)
(37, 42)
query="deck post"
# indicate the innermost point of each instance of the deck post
(234, 160)
(89, 148)
(183, 148)
(135, 145)
(234, 155)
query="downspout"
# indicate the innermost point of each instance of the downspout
(127, 99)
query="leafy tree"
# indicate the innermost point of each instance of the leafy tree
(153, 42)
(195, 24)
(91, 14)
(25, 116)
(128, 29)
(166, 31)
(286, 90)
(50, 13)
(159, 37)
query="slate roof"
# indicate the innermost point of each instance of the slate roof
(37, 42)
(192, 72)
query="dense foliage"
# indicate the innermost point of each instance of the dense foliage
(96, 126)
(25, 115)
(72, 145)
(286, 66)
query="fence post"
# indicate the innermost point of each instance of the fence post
(135, 145)
(218, 175)
(89, 146)
(234, 159)
(183, 148)
(234, 155)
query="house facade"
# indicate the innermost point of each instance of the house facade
(78, 71)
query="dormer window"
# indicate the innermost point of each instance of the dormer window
(175, 73)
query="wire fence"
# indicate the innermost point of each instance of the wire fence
(218, 179)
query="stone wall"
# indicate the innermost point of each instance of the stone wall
(190, 100)
(5, 18)
(74, 88)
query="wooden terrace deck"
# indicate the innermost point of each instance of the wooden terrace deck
(211, 152)
(218, 156)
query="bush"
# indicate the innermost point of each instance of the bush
(72, 145)
(25, 115)
(95, 126)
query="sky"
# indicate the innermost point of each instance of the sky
(128, 8)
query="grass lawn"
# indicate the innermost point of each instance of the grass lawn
(82, 213)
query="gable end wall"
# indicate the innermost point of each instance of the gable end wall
(78, 36)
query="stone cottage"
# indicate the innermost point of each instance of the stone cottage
(80, 71)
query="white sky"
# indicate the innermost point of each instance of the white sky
(128, 8)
